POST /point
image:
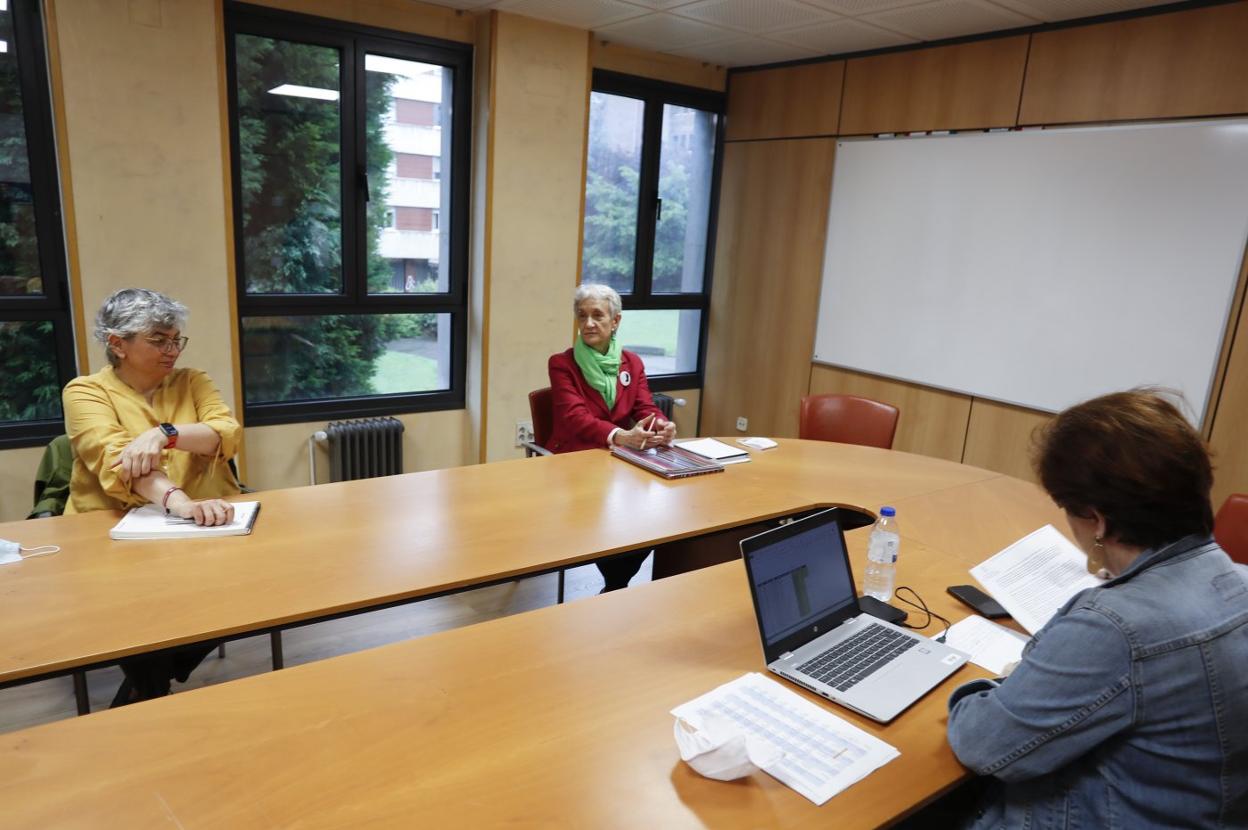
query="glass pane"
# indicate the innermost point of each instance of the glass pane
(612, 186)
(19, 248)
(344, 355)
(666, 340)
(409, 147)
(32, 389)
(290, 168)
(686, 161)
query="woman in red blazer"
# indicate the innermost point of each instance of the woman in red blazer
(600, 398)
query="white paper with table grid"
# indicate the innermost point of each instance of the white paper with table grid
(823, 754)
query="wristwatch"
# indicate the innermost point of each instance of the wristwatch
(171, 432)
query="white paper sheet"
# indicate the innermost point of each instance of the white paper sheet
(712, 449)
(823, 754)
(150, 522)
(1035, 576)
(990, 645)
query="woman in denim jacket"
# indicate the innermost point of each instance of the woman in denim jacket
(1130, 708)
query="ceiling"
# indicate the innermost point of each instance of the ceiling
(752, 32)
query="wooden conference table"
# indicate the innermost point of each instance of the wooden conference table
(556, 717)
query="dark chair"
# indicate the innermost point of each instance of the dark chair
(848, 419)
(1230, 527)
(541, 412)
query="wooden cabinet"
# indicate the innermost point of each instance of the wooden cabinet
(785, 103)
(1175, 65)
(768, 264)
(967, 86)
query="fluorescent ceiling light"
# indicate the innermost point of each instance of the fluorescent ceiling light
(398, 66)
(297, 91)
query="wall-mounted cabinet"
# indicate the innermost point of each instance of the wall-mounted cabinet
(1179, 65)
(963, 87)
(785, 103)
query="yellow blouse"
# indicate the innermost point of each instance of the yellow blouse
(103, 415)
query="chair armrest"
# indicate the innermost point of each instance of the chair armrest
(531, 449)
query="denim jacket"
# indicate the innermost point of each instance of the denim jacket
(1129, 708)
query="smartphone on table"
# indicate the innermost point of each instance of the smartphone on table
(983, 604)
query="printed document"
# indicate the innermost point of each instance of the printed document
(1035, 576)
(823, 754)
(150, 522)
(990, 645)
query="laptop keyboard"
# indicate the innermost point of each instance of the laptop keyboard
(848, 663)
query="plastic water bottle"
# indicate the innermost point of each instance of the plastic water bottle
(882, 551)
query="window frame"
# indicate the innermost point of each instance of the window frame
(354, 42)
(54, 303)
(654, 95)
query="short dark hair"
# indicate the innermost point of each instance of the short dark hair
(1135, 459)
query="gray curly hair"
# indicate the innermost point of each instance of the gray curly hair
(132, 311)
(597, 291)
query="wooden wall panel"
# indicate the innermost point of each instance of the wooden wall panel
(616, 57)
(1167, 66)
(1229, 438)
(932, 422)
(768, 260)
(785, 103)
(999, 438)
(968, 86)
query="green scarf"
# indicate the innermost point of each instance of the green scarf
(600, 370)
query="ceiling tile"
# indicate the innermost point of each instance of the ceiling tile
(755, 16)
(842, 36)
(664, 32)
(1052, 10)
(583, 14)
(662, 5)
(462, 4)
(854, 8)
(948, 18)
(746, 52)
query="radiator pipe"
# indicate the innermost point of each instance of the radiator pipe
(318, 437)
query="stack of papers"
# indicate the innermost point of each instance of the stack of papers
(715, 450)
(990, 645)
(1034, 577)
(150, 522)
(823, 754)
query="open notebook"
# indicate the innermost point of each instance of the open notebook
(150, 522)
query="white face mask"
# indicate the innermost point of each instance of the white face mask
(12, 551)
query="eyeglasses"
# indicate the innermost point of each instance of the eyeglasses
(168, 345)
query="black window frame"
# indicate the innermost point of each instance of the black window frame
(654, 95)
(354, 42)
(54, 303)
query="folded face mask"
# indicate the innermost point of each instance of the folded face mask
(719, 750)
(11, 552)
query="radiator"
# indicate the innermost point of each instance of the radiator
(665, 404)
(366, 448)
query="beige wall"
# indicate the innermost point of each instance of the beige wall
(144, 138)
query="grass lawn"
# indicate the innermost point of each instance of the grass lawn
(400, 372)
(652, 327)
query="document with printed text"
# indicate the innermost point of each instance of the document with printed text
(1035, 576)
(990, 645)
(823, 754)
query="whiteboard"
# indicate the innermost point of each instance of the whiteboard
(1040, 267)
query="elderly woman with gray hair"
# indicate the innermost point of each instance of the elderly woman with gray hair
(600, 398)
(144, 431)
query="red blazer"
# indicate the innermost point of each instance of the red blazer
(581, 420)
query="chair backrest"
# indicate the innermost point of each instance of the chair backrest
(1230, 527)
(541, 410)
(848, 419)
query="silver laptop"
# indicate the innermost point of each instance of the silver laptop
(814, 634)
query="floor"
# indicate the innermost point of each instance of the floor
(50, 700)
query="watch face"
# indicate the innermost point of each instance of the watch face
(169, 429)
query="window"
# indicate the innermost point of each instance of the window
(352, 301)
(650, 190)
(36, 334)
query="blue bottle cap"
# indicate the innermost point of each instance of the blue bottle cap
(887, 511)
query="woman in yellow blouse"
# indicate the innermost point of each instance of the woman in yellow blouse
(144, 431)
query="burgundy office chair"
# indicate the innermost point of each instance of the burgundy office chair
(1230, 527)
(848, 419)
(541, 412)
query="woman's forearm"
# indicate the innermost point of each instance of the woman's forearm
(199, 439)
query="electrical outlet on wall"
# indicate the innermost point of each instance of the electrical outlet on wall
(743, 423)
(524, 432)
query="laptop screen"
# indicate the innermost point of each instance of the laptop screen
(800, 577)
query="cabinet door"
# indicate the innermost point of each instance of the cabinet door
(785, 103)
